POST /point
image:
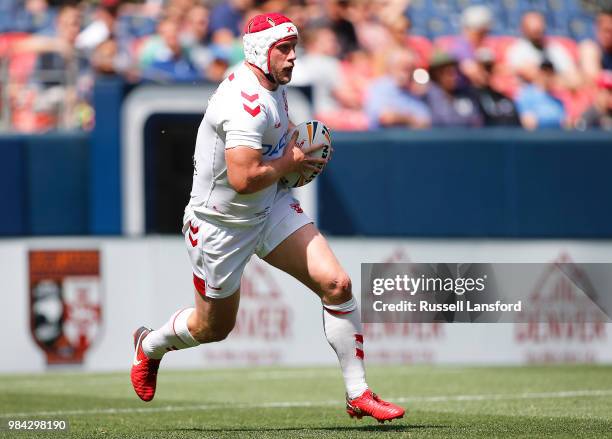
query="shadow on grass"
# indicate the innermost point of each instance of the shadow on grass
(376, 428)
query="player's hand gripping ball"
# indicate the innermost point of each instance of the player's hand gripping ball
(310, 133)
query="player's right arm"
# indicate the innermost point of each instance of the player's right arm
(248, 173)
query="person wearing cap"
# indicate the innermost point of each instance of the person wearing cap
(238, 208)
(599, 115)
(497, 108)
(449, 101)
(476, 23)
(536, 102)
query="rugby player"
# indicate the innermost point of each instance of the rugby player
(238, 208)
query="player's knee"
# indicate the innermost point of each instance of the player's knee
(219, 334)
(339, 289)
(211, 333)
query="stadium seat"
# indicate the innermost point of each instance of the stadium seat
(441, 7)
(21, 64)
(422, 48)
(418, 13)
(8, 39)
(438, 26)
(21, 67)
(581, 27)
(419, 6)
(418, 28)
(576, 102)
(136, 26)
(445, 42)
(499, 45)
(569, 45)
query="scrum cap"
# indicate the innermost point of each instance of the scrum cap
(262, 33)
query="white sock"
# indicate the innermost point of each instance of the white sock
(342, 325)
(172, 336)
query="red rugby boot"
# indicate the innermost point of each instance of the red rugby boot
(144, 369)
(369, 404)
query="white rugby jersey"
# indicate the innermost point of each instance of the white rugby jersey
(241, 112)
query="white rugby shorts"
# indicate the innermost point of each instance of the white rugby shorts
(219, 253)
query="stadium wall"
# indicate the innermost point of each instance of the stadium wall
(440, 183)
(44, 184)
(142, 281)
(469, 183)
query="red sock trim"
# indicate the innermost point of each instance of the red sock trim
(174, 330)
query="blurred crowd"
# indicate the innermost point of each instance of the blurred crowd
(362, 63)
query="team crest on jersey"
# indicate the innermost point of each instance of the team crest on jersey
(65, 302)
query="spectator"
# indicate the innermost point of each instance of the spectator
(390, 101)
(596, 56)
(54, 51)
(194, 36)
(400, 27)
(178, 9)
(103, 59)
(59, 67)
(371, 28)
(163, 58)
(450, 104)
(318, 67)
(599, 115)
(476, 22)
(34, 17)
(338, 12)
(102, 28)
(497, 109)
(228, 15)
(196, 26)
(538, 107)
(529, 52)
(380, 32)
(216, 70)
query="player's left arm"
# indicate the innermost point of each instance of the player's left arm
(248, 173)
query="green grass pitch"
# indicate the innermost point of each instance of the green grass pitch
(441, 402)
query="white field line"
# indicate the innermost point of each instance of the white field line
(288, 404)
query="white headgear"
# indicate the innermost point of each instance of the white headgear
(262, 33)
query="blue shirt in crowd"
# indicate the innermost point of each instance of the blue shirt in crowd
(225, 16)
(385, 95)
(547, 109)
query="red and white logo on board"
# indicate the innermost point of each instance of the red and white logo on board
(561, 324)
(65, 302)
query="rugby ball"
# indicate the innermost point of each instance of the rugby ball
(310, 133)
